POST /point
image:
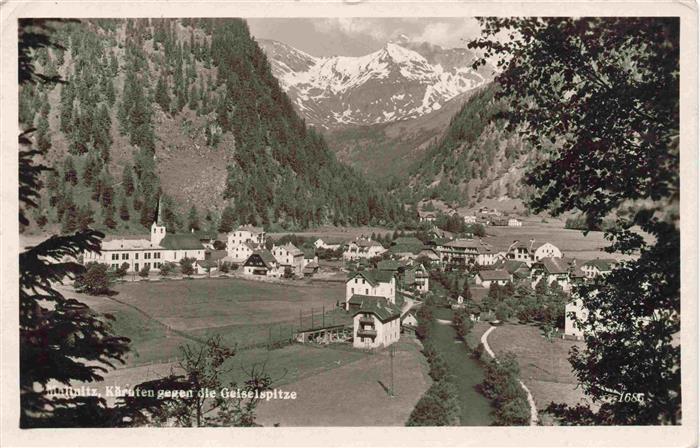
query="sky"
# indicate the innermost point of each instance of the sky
(360, 36)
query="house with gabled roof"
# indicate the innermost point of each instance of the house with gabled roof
(243, 240)
(417, 277)
(598, 267)
(261, 262)
(406, 247)
(553, 270)
(363, 248)
(289, 256)
(499, 277)
(376, 323)
(369, 283)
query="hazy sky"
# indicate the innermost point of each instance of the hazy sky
(360, 36)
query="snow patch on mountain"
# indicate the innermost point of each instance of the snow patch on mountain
(393, 83)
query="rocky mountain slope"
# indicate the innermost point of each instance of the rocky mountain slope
(400, 81)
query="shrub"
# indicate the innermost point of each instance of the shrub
(501, 384)
(187, 266)
(437, 407)
(145, 270)
(166, 269)
(225, 267)
(95, 280)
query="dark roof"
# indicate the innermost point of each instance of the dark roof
(497, 274)
(181, 241)
(215, 255)
(205, 234)
(407, 240)
(511, 265)
(601, 264)
(373, 276)
(555, 265)
(266, 257)
(379, 306)
(309, 252)
(389, 265)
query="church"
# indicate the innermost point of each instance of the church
(150, 252)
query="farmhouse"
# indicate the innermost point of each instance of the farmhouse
(150, 253)
(369, 283)
(513, 222)
(470, 219)
(363, 248)
(518, 269)
(498, 277)
(597, 267)
(262, 262)
(288, 256)
(309, 256)
(243, 241)
(376, 323)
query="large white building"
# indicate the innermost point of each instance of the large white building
(243, 241)
(138, 253)
(376, 323)
(369, 283)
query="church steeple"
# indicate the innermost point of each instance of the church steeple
(158, 230)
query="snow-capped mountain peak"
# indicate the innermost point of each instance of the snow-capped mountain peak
(393, 83)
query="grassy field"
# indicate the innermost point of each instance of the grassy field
(191, 305)
(543, 365)
(158, 317)
(354, 393)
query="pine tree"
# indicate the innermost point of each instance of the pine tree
(69, 172)
(124, 210)
(228, 219)
(162, 97)
(43, 140)
(109, 217)
(193, 219)
(127, 181)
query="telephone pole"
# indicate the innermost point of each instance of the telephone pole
(391, 357)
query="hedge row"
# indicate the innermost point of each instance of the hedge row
(501, 384)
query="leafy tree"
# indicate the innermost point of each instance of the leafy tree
(95, 280)
(121, 271)
(202, 367)
(610, 108)
(145, 271)
(187, 266)
(166, 269)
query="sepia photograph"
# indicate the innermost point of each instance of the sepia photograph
(293, 222)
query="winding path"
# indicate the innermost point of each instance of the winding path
(534, 419)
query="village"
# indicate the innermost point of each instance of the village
(384, 284)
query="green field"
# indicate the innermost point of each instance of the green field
(158, 317)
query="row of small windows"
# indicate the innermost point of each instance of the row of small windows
(146, 256)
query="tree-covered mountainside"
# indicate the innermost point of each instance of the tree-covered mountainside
(186, 110)
(476, 158)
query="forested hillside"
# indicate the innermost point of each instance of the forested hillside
(188, 111)
(476, 158)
